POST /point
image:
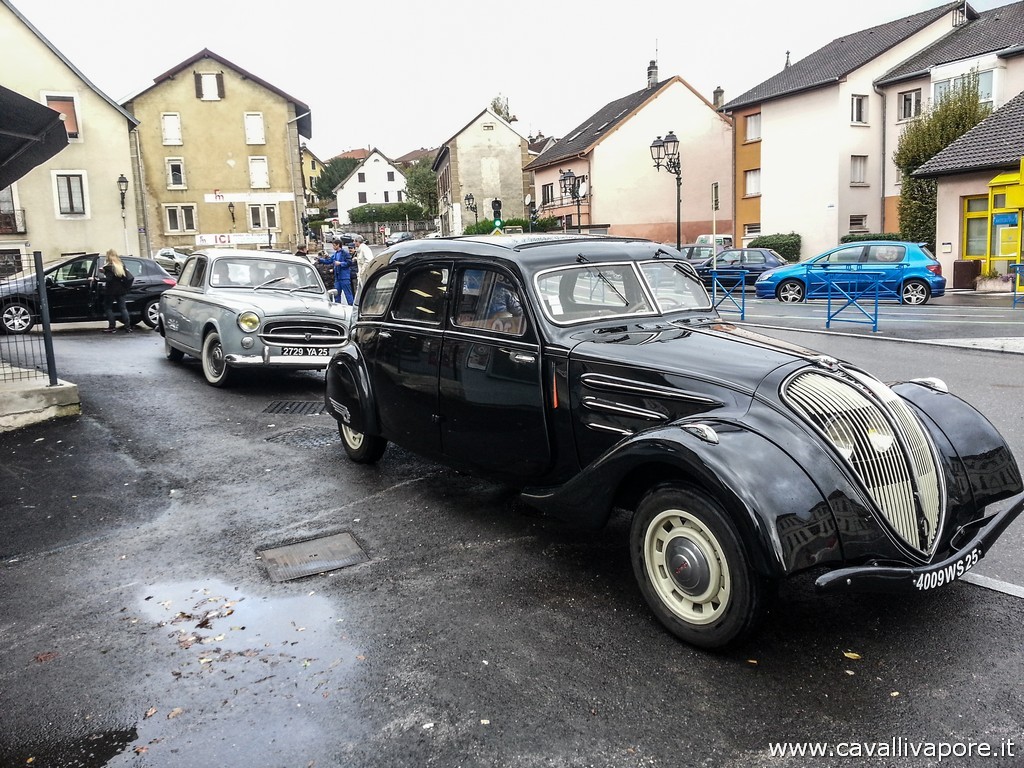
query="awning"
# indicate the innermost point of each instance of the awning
(30, 134)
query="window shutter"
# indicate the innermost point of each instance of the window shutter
(199, 84)
(220, 85)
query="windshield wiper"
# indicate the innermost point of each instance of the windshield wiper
(271, 281)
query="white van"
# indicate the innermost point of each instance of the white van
(723, 240)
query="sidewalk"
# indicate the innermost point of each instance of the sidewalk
(26, 397)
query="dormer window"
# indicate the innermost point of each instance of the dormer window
(209, 85)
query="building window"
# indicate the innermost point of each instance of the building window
(391, 175)
(858, 170)
(259, 173)
(180, 218)
(399, 195)
(910, 104)
(170, 127)
(858, 222)
(386, 198)
(752, 183)
(547, 194)
(262, 217)
(751, 231)
(71, 194)
(753, 127)
(362, 198)
(942, 87)
(859, 110)
(209, 86)
(254, 133)
(175, 172)
(361, 178)
(66, 106)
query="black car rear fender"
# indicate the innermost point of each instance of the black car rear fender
(786, 523)
(348, 396)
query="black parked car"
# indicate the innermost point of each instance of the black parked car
(594, 375)
(74, 291)
(734, 262)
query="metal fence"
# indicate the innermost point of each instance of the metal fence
(26, 355)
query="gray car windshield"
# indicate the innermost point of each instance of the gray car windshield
(584, 292)
(265, 273)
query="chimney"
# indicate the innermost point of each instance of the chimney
(652, 74)
(718, 94)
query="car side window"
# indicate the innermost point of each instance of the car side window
(198, 273)
(886, 254)
(489, 299)
(377, 296)
(754, 257)
(421, 298)
(849, 255)
(133, 265)
(79, 269)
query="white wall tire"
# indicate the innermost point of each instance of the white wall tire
(215, 367)
(361, 448)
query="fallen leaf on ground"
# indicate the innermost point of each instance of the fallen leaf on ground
(149, 713)
(174, 713)
(851, 655)
(44, 657)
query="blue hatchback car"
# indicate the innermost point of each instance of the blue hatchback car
(906, 272)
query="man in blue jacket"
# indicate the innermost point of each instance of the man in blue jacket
(342, 262)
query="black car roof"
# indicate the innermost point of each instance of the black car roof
(532, 252)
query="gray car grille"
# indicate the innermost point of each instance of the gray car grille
(315, 333)
(884, 444)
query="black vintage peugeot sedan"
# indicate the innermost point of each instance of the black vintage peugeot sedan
(593, 374)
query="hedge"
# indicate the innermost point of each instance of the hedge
(787, 246)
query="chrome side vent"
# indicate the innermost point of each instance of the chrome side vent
(881, 440)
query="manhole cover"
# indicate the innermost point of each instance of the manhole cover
(296, 407)
(306, 558)
(306, 437)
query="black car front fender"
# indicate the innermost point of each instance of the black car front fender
(782, 516)
(348, 395)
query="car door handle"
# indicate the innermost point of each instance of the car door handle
(520, 357)
(384, 334)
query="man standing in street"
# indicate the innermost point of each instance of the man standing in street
(363, 256)
(341, 261)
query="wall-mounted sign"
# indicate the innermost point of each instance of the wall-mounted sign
(1005, 219)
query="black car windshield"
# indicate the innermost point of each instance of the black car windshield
(264, 273)
(582, 292)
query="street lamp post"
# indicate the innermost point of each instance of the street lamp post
(231, 210)
(470, 202)
(122, 187)
(571, 187)
(665, 153)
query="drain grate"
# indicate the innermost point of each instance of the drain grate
(306, 437)
(296, 407)
(313, 556)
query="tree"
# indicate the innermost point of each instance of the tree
(956, 112)
(335, 171)
(421, 186)
(499, 105)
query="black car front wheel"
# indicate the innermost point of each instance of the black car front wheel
(17, 318)
(692, 568)
(915, 292)
(790, 291)
(173, 354)
(215, 367)
(361, 448)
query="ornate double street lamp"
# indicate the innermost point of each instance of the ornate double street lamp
(571, 188)
(665, 153)
(470, 202)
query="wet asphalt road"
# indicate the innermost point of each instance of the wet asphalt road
(140, 628)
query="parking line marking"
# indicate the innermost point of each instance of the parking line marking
(994, 584)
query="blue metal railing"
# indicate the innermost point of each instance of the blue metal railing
(729, 292)
(1018, 293)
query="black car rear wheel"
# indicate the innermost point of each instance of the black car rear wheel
(362, 449)
(692, 568)
(173, 354)
(151, 313)
(17, 318)
(215, 367)
(790, 291)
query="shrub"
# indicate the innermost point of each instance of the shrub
(368, 214)
(873, 236)
(486, 226)
(787, 246)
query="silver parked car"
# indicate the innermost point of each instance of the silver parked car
(170, 259)
(235, 309)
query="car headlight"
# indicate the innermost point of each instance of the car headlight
(248, 321)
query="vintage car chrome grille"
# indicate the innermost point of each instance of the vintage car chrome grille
(879, 437)
(315, 333)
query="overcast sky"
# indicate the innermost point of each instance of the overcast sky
(404, 74)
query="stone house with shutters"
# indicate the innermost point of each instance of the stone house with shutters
(220, 157)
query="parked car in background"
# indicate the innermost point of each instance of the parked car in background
(397, 237)
(695, 253)
(724, 241)
(237, 309)
(170, 259)
(74, 293)
(906, 272)
(595, 375)
(733, 263)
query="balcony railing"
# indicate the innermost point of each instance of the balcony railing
(12, 222)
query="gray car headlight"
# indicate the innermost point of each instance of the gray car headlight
(248, 321)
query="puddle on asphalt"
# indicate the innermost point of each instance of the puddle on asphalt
(92, 751)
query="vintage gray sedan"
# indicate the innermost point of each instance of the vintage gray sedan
(234, 309)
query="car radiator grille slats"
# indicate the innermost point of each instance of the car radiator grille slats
(883, 443)
(297, 332)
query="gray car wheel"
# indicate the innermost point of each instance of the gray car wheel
(790, 291)
(215, 367)
(18, 318)
(915, 292)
